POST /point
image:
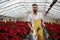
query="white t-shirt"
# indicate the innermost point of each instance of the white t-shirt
(31, 17)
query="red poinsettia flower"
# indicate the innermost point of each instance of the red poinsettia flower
(18, 38)
(12, 32)
(3, 36)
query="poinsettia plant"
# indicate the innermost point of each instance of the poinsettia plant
(14, 31)
(53, 30)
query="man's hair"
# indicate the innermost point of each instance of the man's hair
(34, 5)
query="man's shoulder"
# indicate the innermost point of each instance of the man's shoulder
(40, 13)
(30, 15)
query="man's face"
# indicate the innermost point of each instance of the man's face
(35, 8)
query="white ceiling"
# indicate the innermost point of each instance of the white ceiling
(19, 8)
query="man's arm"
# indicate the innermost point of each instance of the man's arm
(30, 21)
(42, 22)
(42, 19)
(30, 26)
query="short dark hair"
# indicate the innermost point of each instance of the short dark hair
(34, 5)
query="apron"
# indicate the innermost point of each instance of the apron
(37, 23)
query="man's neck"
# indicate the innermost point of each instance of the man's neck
(35, 13)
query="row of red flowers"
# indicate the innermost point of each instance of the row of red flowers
(54, 30)
(14, 31)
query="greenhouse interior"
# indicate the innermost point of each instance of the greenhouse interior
(29, 19)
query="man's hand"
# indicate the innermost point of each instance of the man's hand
(43, 23)
(32, 29)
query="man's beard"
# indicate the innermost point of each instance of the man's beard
(35, 11)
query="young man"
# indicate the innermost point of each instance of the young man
(35, 18)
